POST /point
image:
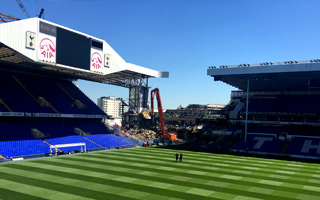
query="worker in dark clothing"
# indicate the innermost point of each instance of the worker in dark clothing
(180, 157)
(177, 157)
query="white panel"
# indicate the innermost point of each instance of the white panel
(13, 34)
(96, 63)
(46, 48)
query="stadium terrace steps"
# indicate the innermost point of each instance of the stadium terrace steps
(4, 107)
(63, 97)
(14, 99)
(79, 95)
(284, 104)
(93, 142)
(53, 150)
(53, 130)
(57, 98)
(2, 157)
(92, 127)
(15, 131)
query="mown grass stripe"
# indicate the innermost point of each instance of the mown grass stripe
(245, 159)
(273, 167)
(152, 173)
(245, 162)
(274, 164)
(58, 187)
(111, 182)
(153, 179)
(11, 194)
(118, 163)
(260, 173)
(162, 173)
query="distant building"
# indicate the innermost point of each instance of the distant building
(198, 111)
(111, 106)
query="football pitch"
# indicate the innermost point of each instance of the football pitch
(153, 173)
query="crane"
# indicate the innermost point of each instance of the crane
(7, 18)
(160, 111)
(41, 13)
(23, 8)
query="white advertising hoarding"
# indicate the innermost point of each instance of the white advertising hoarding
(47, 48)
(96, 63)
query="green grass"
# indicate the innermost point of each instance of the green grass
(153, 173)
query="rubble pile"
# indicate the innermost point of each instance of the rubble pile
(141, 134)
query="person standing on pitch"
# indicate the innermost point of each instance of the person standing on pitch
(180, 157)
(177, 156)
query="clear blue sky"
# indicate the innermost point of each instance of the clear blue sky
(184, 37)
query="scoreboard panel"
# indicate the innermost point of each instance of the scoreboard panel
(73, 49)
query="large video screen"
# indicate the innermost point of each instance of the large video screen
(73, 49)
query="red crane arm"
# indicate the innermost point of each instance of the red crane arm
(160, 110)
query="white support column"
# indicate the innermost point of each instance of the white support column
(247, 106)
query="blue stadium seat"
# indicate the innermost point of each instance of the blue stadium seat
(46, 88)
(15, 131)
(55, 129)
(92, 127)
(262, 143)
(18, 98)
(19, 148)
(304, 146)
(3, 108)
(73, 139)
(79, 95)
(108, 140)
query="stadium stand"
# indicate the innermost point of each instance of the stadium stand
(39, 104)
(304, 146)
(73, 139)
(92, 127)
(79, 95)
(108, 140)
(21, 93)
(3, 108)
(55, 96)
(52, 130)
(19, 100)
(283, 104)
(19, 148)
(260, 143)
(15, 131)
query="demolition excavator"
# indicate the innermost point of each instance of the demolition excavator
(156, 92)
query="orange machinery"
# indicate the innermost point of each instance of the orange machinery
(156, 92)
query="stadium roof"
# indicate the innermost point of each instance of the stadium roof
(38, 46)
(281, 76)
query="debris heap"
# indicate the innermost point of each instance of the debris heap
(141, 134)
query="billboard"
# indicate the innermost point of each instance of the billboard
(96, 63)
(61, 46)
(47, 43)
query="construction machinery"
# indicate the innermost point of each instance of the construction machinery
(156, 92)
